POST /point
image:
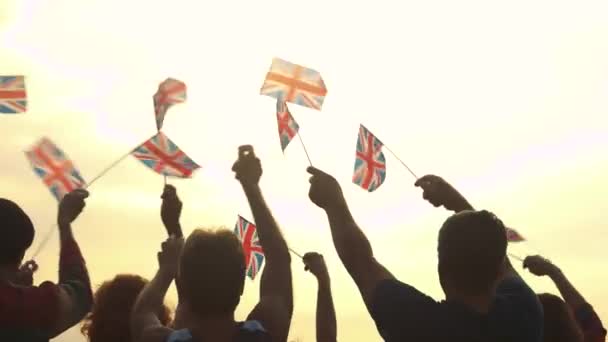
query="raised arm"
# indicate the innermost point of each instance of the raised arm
(439, 193)
(588, 320)
(75, 296)
(351, 244)
(326, 314)
(145, 325)
(276, 295)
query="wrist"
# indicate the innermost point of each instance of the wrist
(165, 274)
(554, 272)
(323, 280)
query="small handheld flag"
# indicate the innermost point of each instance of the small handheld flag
(170, 92)
(13, 98)
(55, 168)
(254, 255)
(164, 157)
(288, 127)
(294, 83)
(514, 236)
(370, 164)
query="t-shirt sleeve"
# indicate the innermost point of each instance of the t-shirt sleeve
(34, 308)
(518, 307)
(590, 324)
(401, 312)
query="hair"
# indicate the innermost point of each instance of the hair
(560, 325)
(212, 272)
(472, 248)
(109, 319)
(17, 233)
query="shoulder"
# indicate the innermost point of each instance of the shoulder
(517, 311)
(252, 331)
(33, 306)
(273, 315)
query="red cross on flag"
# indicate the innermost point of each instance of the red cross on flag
(164, 157)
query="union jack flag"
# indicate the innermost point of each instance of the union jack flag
(288, 127)
(254, 255)
(294, 83)
(164, 157)
(170, 92)
(12, 95)
(55, 168)
(370, 165)
(514, 236)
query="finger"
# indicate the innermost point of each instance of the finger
(82, 193)
(313, 171)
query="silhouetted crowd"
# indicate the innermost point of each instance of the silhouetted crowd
(486, 299)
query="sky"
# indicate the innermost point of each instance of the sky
(505, 100)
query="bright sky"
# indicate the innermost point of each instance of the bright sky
(506, 100)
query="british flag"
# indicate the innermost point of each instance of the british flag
(370, 165)
(12, 95)
(164, 157)
(288, 127)
(294, 83)
(254, 255)
(55, 168)
(170, 92)
(514, 236)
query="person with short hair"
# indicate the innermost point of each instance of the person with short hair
(587, 319)
(211, 277)
(40, 313)
(486, 300)
(109, 319)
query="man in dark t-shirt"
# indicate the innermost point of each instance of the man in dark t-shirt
(486, 300)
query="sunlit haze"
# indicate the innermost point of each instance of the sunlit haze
(506, 100)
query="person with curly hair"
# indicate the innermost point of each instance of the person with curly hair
(109, 319)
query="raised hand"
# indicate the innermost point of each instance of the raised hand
(440, 193)
(171, 210)
(71, 206)
(168, 257)
(540, 266)
(247, 168)
(25, 275)
(315, 263)
(324, 191)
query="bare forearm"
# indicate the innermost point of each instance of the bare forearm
(148, 303)
(326, 314)
(350, 242)
(567, 290)
(270, 236)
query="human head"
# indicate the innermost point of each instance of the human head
(110, 317)
(17, 233)
(472, 248)
(211, 273)
(559, 323)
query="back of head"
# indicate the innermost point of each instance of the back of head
(560, 325)
(212, 272)
(472, 249)
(109, 319)
(17, 233)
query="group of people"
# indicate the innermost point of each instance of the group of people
(485, 297)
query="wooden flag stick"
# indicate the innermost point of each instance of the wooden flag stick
(401, 161)
(296, 253)
(49, 233)
(515, 257)
(304, 147)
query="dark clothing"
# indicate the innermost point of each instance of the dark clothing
(249, 331)
(30, 313)
(402, 313)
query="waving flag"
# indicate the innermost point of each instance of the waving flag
(254, 255)
(370, 165)
(288, 127)
(514, 236)
(294, 83)
(12, 95)
(55, 168)
(164, 157)
(170, 92)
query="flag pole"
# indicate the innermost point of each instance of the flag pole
(515, 257)
(304, 147)
(49, 234)
(401, 161)
(296, 253)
